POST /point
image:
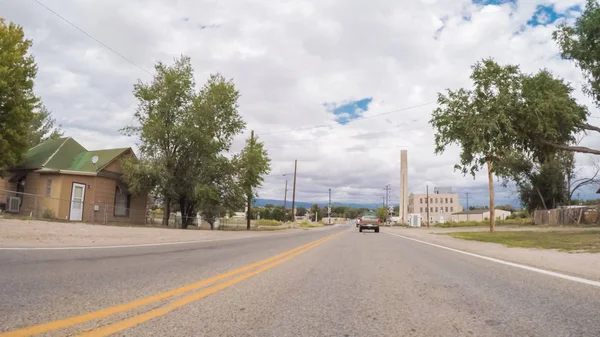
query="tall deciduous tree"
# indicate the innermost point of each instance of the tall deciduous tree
(253, 163)
(508, 115)
(183, 135)
(578, 43)
(162, 113)
(478, 120)
(17, 100)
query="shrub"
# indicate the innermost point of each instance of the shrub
(48, 214)
(310, 224)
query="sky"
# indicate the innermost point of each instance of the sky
(341, 86)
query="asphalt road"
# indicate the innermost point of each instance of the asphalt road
(345, 283)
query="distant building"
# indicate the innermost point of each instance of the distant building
(441, 205)
(478, 215)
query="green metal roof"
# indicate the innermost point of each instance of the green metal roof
(83, 161)
(37, 156)
(67, 154)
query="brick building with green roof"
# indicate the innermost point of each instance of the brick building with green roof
(63, 179)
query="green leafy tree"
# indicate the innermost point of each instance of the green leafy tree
(163, 110)
(541, 185)
(382, 213)
(253, 164)
(546, 188)
(578, 43)
(478, 120)
(506, 117)
(315, 209)
(276, 213)
(184, 135)
(338, 211)
(43, 127)
(301, 211)
(353, 213)
(17, 100)
(217, 190)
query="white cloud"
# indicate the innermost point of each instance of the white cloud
(288, 59)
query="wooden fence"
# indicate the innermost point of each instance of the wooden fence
(567, 216)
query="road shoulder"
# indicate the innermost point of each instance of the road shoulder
(42, 234)
(585, 265)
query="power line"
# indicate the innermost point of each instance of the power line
(351, 136)
(369, 147)
(91, 37)
(356, 119)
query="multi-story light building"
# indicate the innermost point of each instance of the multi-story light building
(442, 203)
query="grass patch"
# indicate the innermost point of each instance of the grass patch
(266, 222)
(485, 223)
(271, 228)
(568, 241)
(308, 224)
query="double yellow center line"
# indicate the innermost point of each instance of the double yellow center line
(247, 272)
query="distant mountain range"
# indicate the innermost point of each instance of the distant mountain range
(263, 202)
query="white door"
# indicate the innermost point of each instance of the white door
(77, 198)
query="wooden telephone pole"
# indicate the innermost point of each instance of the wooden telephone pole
(249, 196)
(427, 206)
(284, 200)
(294, 192)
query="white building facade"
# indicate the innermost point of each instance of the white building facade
(441, 204)
(478, 215)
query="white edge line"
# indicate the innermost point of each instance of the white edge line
(139, 245)
(512, 264)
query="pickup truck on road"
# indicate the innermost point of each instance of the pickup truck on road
(369, 221)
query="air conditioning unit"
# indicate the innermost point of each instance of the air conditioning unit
(13, 205)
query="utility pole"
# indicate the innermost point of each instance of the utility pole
(387, 199)
(390, 208)
(249, 196)
(329, 208)
(386, 202)
(427, 206)
(294, 192)
(467, 193)
(284, 199)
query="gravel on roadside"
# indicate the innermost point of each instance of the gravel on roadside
(34, 233)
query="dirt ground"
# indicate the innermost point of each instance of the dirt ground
(35, 233)
(585, 265)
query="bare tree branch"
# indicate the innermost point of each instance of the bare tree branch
(579, 183)
(591, 127)
(580, 149)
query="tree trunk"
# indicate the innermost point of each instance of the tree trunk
(541, 198)
(183, 211)
(568, 189)
(167, 212)
(249, 216)
(491, 190)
